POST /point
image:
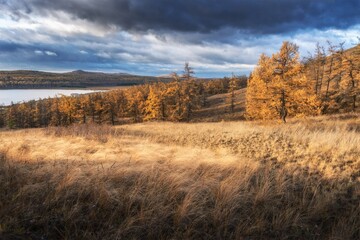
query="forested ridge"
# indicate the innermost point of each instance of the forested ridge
(77, 79)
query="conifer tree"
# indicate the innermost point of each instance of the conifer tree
(333, 97)
(278, 87)
(110, 106)
(40, 114)
(189, 99)
(329, 76)
(120, 103)
(319, 68)
(90, 102)
(99, 107)
(350, 83)
(287, 66)
(2, 116)
(174, 99)
(189, 93)
(258, 96)
(55, 119)
(233, 85)
(12, 116)
(154, 108)
(83, 109)
(188, 72)
(67, 109)
(202, 94)
(136, 100)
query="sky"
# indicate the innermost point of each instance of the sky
(156, 37)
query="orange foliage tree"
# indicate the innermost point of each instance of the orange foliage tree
(278, 87)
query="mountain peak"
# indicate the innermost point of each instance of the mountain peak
(79, 71)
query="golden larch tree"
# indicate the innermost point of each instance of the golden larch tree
(258, 95)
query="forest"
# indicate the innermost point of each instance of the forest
(325, 82)
(174, 101)
(280, 86)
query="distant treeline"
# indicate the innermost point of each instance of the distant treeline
(77, 79)
(174, 101)
(327, 81)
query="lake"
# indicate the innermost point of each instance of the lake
(20, 95)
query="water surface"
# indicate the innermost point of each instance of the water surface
(20, 95)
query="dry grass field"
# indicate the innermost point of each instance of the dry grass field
(225, 180)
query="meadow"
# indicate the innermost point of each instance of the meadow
(162, 180)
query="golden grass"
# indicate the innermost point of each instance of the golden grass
(227, 180)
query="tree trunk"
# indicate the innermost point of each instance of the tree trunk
(354, 103)
(283, 110)
(112, 118)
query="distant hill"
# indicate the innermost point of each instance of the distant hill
(76, 79)
(86, 72)
(165, 75)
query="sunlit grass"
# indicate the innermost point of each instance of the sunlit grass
(241, 180)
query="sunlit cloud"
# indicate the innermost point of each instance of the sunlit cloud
(49, 53)
(38, 52)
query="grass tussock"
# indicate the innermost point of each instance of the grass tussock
(183, 181)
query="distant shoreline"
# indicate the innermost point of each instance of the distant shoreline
(71, 88)
(15, 96)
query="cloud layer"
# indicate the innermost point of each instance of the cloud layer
(256, 16)
(157, 36)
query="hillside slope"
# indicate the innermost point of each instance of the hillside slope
(335, 77)
(217, 108)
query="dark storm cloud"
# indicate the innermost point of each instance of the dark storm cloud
(257, 16)
(41, 53)
(46, 56)
(6, 47)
